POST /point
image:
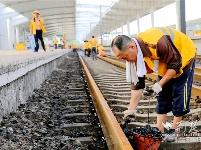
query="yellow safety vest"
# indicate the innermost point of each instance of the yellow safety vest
(33, 26)
(86, 45)
(100, 47)
(55, 41)
(93, 42)
(184, 45)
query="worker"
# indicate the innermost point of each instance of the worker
(55, 42)
(70, 45)
(74, 47)
(37, 29)
(100, 48)
(64, 40)
(94, 43)
(89, 50)
(86, 47)
(169, 53)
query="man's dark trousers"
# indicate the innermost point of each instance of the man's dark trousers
(39, 36)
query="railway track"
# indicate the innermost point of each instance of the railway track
(198, 57)
(112, 83)
(59, 115)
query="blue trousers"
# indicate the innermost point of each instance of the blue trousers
(176, 94)
(94, 54)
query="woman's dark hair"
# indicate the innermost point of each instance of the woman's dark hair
(121, 42)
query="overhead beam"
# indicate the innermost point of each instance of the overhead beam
(121, 12)
(59, 20)
(53, 31)
(61, 30)
(91, 5)
(113, 17)
(51, 12)
(63, 15)
(56, 14)
(48, 8)
(69, 30)
(10, 3)
(8, 15)
(18, 22)
(60, 23)
(58, 27)
(33, 3)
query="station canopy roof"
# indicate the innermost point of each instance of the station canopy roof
(80, 19)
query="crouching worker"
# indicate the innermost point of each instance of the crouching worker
(101, 50)
(170, 54)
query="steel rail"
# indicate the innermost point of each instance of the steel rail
(114, 135)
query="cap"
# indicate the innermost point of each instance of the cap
(35, 12)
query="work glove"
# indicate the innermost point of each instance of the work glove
(130, 113)
(157, 88)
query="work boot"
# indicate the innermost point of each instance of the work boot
(170, 136)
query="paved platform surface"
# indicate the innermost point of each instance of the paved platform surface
(10, 56)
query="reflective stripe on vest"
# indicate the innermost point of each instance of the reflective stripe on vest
(165, 32)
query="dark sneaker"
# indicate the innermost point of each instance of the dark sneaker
(170, 136)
